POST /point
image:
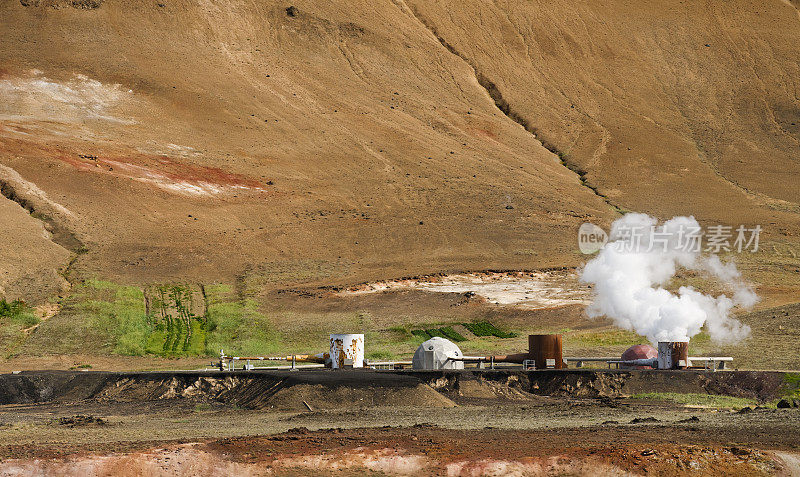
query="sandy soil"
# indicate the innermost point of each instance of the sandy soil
(350, 142)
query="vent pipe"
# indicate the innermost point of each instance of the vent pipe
(347, 350)
(673, 354)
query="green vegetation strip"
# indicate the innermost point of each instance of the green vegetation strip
(237, 326)
(693, 399)
(15, 316)
(17, 313)
(176, 331)
(480, 329)
(421, 334)
(114, 312)
(452, 334)
(791, 385)
(484, 328)
(598, 339)
(117, 316)
(444, 332)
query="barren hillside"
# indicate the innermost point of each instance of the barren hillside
(360, 140)
(689, 109)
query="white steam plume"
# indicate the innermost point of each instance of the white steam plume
(630, 272)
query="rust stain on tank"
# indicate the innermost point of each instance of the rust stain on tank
(546, 351)
(338, 346)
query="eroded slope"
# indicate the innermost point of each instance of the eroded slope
(202, 139)
(352, 141)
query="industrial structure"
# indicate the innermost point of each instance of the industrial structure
(346, 351)
(438, 353)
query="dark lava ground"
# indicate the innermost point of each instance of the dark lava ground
(473, 426)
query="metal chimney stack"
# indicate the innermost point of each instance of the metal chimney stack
(673, 354)
(347, 350)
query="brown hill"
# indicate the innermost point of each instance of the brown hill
(347, 141)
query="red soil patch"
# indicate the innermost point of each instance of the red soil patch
(160, 170)
(638, 451)
(477, 132)
(422, 450)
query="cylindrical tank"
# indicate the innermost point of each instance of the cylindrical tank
(641, 351)
(546, 351)
(673, 354)
(437, 353)
(347, 349)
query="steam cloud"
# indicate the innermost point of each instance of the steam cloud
(629, 283)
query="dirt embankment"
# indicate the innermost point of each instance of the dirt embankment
(761, 385)
(257, 423)
(257, 390)
(286, 390)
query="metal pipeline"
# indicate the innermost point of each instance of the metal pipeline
(501, 358)
(652, 362)
(544, 351)
(305, 358)
(509, 358)
(319, 358)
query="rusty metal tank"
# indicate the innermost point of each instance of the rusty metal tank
(347, 350)
(546, 351)
(673, 354)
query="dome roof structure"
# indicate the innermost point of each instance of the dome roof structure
(436, 353)
(641, 351)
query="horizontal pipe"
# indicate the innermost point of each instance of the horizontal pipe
(510, 358)
(599, 359)
(289, 366)
(469, 358)
(384, 363)
(504, 358)
(652, 362)
(312, 358)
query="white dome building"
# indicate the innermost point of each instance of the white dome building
(436, 353)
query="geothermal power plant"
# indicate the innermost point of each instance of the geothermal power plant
(545, 352)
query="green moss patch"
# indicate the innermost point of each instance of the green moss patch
(174, 320)
(485, 328)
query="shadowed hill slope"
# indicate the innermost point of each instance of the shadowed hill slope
(350, 141)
